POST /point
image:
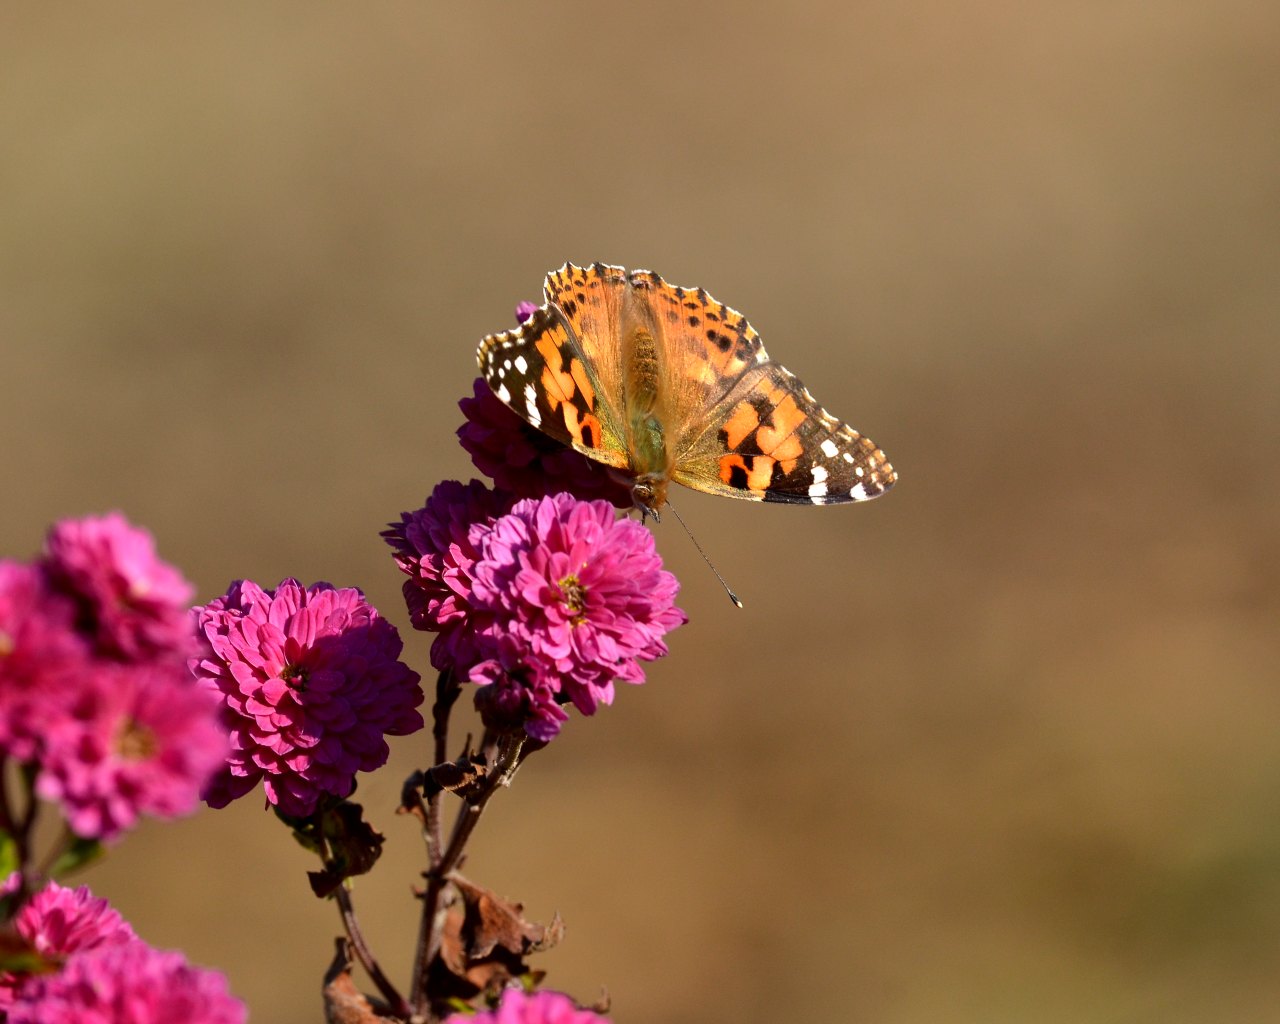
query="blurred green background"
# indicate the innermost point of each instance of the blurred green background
(1001, 746)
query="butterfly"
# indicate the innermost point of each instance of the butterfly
(665, 384)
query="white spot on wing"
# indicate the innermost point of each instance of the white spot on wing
(503, 393)
(818, 489)
(829, 448)
(531, 405)
(521, 364)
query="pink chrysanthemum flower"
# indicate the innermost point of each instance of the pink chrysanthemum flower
(40, 655)
(57, 922)
(525, 461)
(128, 984)
(130, 740)
(310, 680)
(583, 592)
(436, 547)
(519, 1007)
(131, 604)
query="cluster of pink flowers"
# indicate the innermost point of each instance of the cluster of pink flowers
(94, 689)
(97, 971)
(544, 602)
(519, 1007)
(309, 680)
(57, 922)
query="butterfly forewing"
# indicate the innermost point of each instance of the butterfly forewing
(592, 300)
(540, 372)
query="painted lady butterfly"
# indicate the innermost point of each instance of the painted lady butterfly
(664, 383)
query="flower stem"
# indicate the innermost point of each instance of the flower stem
(6, 815)
(447, 690)
(365, 955)
(430, 934)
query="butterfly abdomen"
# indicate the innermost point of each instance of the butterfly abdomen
(643, 400)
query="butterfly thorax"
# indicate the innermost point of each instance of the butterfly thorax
(646, 438)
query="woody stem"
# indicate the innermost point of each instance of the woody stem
(447, 691)
(365, 955)
(431, 932)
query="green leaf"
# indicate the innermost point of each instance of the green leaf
(78, 853)
(8, 855)
(18, 959)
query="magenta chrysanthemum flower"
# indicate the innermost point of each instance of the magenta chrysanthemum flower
(128, 984)
(582, 592)
(131, 604)
(524, 310)
(40, 655)
(523, 460)
(436, 547)
(130, 740)
(519, 1007)
(310, 680)
(57, 922)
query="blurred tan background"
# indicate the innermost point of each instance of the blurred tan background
(1000, 747)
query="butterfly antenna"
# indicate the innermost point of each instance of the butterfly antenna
(732, 596)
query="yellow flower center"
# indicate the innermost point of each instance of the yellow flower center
(575, 598)
(136, 742)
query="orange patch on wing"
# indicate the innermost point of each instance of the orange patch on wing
(790, 449)
(784, 421)
(761, 473)
(728, 463)
(579, 374)
(752, 472)
(743, 420)
(558, 385)
(582, 426)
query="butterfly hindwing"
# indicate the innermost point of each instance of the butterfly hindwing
(769, 440)
(539, 371)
